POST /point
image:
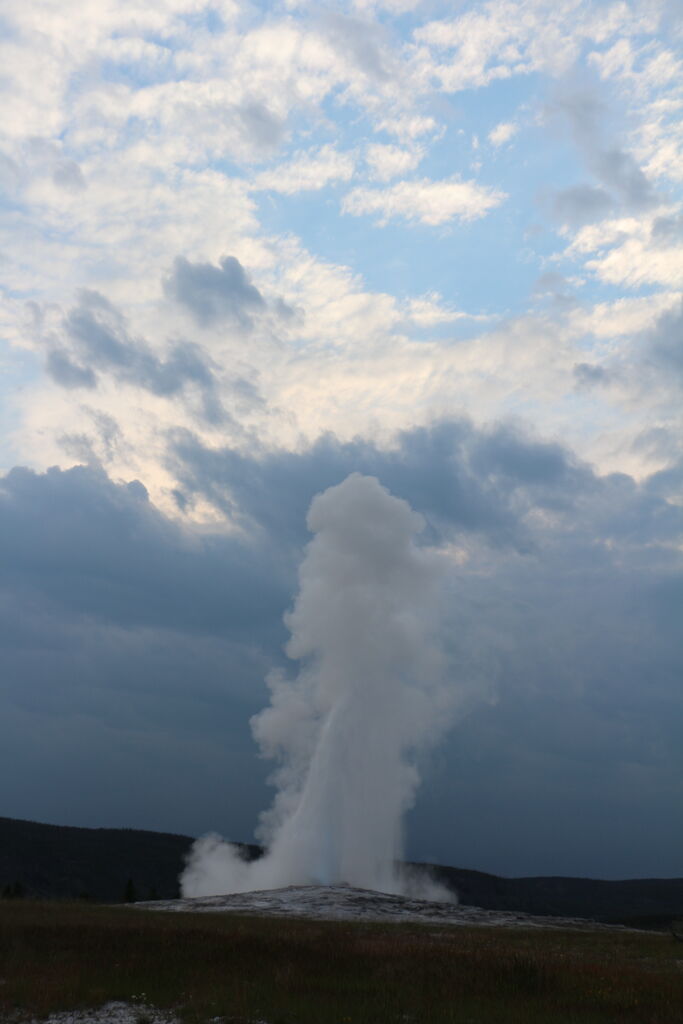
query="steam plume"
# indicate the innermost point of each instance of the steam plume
(368, 695)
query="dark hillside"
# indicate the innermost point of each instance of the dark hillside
(93, 863)
(111, 865)
(640, 902)
(103, 864)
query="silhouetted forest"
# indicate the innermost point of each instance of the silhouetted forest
(110, 865)
(124, 865)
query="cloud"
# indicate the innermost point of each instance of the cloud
(44, 157)
(307, 171)
(110, 556)
(622, 182)
(67, 373)
(502, 133)
(410, 126)
(215, 294)
(504, 38)
(429, 311)
(553, 284)
(68, 175)
(152, 638)
(628, 316)
(494, 484)
(649, 72)
(496, 490)
(619, 171)
(98, 333)
(627, 251)
(243, 486)
(667, 228)
(360, 40)
(582, 204)
(262, 127)
(429, 202)
(387, 162)
(588, 375)
(130, 649)
(108, 440)
(665, 343)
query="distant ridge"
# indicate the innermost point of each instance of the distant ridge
(101, 864)
(113, 864)
(637, 902)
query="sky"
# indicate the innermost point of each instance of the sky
(247, 249)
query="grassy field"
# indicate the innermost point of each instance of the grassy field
(56, 956)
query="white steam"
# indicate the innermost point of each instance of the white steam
(346, 730)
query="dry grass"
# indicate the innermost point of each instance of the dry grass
(57, 956)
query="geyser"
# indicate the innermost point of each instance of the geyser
(347, 728)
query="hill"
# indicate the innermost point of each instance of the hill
(100, 864)
(639, 902)
(111, 865)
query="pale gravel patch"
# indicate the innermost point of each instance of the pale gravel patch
(112, 1013)
(129, 1013)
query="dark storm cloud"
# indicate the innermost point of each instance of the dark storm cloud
(275, 490)
(135, 649)
(106, 552)
(496, 486)
(503, 453)
(100, 341)
(215, 294)
(458, 477)
(582, 637)
(132, 653)
(667, 482)
(578, 759)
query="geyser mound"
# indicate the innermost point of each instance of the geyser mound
(346, 730)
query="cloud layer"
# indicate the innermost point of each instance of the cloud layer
(563, 596)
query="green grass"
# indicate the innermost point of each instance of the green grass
(57, 956)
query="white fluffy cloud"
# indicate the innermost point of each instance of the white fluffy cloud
(387, 162)
(502, 133)
(633, 252)
(424, 201)
(307, 172)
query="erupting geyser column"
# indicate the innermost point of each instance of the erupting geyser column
(368, 695)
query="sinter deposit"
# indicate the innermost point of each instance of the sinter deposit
(344, 902)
